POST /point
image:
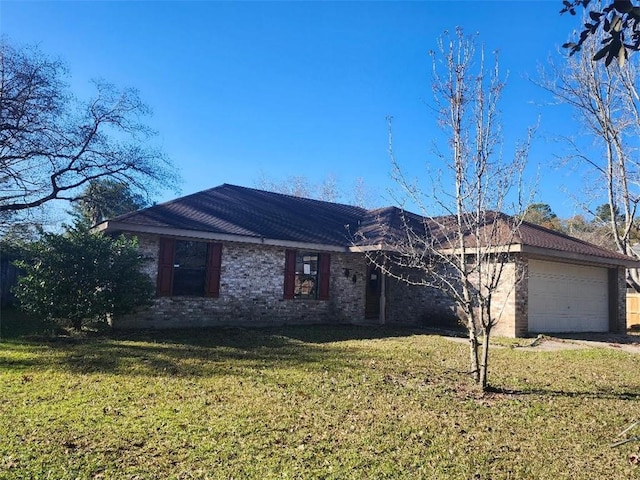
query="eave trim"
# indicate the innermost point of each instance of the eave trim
(111, 226)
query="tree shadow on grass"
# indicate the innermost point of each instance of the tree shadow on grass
(597, 394)
(194, 353)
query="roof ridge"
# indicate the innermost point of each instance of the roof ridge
(294, 197)
(124, 216)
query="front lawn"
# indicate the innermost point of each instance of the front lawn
(314, 402)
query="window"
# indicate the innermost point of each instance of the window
(306, 279)
(189, 268)
(306, 275)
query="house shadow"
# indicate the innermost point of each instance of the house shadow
(320, 334)
(277, 336)
(197, 352)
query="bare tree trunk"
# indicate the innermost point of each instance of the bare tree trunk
(484, 362)
(473, 350)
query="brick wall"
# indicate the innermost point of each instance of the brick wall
(418, 305)
(251, 292)
(509, 300)
(432, 307)
(521, 300)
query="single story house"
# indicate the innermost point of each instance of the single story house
(236, 256)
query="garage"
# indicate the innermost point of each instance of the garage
(565, 297)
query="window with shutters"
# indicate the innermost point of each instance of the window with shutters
(189, 268)
(306, 275)
(306, 279)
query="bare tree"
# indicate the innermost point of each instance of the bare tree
(467, 251)
(294, 185)
(362, 195)
(329, 190)
(593, 231)
(606, 108)
(52, 145)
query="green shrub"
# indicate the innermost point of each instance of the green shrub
(79, 276)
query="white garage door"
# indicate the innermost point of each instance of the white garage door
(567, 298)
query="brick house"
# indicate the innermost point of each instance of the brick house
(236, 256)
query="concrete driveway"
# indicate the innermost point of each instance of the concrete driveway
(625, 343)
(554, 342)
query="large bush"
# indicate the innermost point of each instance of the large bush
(79, 276)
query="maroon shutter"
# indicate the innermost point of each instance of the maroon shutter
(165, 267)
(214, 261)
(325, 271)
(289, 273)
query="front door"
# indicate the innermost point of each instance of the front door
(372, 299)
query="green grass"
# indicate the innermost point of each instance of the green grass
(314, 402)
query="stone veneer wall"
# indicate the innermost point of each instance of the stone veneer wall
(251, 292)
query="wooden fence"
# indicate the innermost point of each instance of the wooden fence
(633, 310)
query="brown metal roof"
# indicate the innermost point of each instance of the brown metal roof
(248, 212)
(537, 236)
(386, 226)
(233, 210)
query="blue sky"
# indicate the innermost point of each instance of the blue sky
(242, 89)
